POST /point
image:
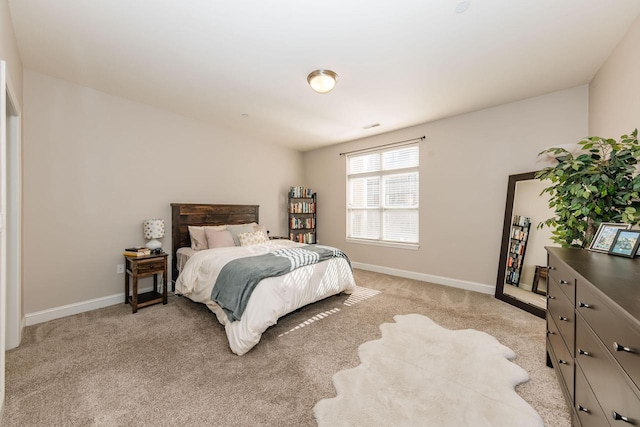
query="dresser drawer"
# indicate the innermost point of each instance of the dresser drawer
(561, 357)
(611, 389)
(612, 329)
(587, 406)
(563, 276)
(561, 310)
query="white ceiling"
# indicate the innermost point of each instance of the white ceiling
(400, 62)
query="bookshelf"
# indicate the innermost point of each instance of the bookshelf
(519, 234)
(302, 215)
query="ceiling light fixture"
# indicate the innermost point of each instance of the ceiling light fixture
(373, 125)
(463, 6)
(322, 81)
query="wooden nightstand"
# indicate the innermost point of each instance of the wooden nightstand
(145, 266)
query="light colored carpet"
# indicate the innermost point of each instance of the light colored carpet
(170, 365)
(420, 374)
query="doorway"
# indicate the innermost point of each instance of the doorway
(10, 223)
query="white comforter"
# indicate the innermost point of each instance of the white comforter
(272, 298)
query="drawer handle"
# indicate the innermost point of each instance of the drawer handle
(584, 353)
(618, 417)
(564, 362)
(619, 347)
(564, 319)
(564, 282)
(550, 332)
(551, 297)
(583, 409)
(551, 267)
(582, 304)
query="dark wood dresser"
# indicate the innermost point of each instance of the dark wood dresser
(593, 334)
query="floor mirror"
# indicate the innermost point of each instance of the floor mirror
(522, 266)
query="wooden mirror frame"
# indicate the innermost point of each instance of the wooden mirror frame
(502, 265)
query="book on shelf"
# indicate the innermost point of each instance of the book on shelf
(302, 207)
(300, 192)
(309, 238)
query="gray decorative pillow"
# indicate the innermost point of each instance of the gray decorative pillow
(239, 229)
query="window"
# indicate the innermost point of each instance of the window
(382, 195)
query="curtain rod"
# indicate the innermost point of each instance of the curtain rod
(405, 142)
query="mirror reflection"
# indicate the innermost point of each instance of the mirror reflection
(526, 273)
(522, 270)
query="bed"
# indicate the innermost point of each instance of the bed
(195, 272)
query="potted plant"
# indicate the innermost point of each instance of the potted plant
(599, 183)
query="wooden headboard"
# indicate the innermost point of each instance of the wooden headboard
(186, 214)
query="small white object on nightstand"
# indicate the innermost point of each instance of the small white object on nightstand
(153, 229)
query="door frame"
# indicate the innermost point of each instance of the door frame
(13, 220)
(11, 309)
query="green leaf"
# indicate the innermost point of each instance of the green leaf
(599, 183)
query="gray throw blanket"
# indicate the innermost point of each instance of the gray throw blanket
(239, 277)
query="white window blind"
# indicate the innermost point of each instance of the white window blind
(382, 195)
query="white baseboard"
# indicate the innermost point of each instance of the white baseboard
(439, 280)
(76, 308)
(81, 307)
(23, 324)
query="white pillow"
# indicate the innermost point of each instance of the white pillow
(262, 229)
(215, 227)
(218, 238)
(252, 238)
(198, 238)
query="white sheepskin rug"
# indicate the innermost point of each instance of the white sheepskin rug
(420, 374)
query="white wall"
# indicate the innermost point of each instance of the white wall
(614, 94)
(95, 166)
(464, 167)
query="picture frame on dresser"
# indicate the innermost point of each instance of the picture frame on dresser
(625, 243)
(605, 236)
